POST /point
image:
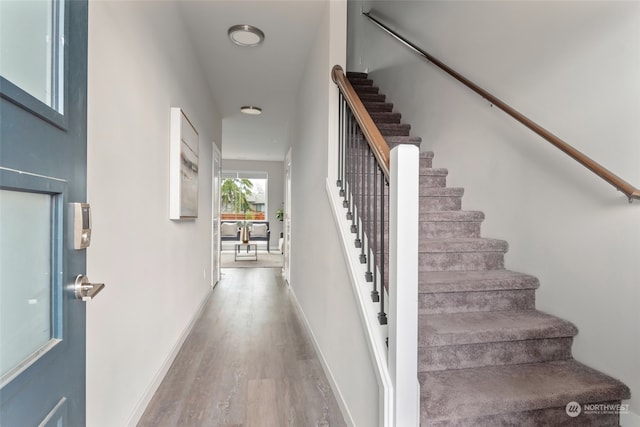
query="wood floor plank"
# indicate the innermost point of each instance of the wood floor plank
(247, 362)
(262, 408)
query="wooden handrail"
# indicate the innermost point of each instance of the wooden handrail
(620, 184)
(371, 132)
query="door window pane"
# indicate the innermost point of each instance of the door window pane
(31, 48)
(25, 275)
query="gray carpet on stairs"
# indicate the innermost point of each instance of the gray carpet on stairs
(486, 357)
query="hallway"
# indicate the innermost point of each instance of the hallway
(247, 362)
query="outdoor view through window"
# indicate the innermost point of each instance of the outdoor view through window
(243, 196)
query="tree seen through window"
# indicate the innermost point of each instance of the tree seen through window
(243, 199)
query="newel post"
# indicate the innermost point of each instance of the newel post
(403, 283)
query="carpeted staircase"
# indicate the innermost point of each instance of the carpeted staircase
(487, 357)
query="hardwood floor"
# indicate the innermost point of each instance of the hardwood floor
(247, 362)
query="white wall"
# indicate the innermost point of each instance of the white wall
(319, 277)
(571, 66)
(275, 192)
(157, 271)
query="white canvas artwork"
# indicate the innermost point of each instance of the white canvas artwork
(183, 167)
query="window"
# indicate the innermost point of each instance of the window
(243, 195)
(31, 51)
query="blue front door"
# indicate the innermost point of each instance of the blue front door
(43, 88)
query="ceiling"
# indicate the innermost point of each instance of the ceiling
(265, 76)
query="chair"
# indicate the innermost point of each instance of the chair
(229, 231)
(259, 231)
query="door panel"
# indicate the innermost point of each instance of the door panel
(287, 217)
(26, 307)
(42, 170)
(215, 242)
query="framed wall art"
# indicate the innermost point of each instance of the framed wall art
(183, 167)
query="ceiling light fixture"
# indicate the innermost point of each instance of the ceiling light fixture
(251, 110)
(246, 35)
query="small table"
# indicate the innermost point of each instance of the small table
(238, 254)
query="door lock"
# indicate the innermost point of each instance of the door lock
(86, 291)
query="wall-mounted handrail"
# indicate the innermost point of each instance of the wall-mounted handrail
(369, 129)
(620, 184)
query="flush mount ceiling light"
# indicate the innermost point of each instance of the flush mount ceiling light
(251, 110)
(246, 35)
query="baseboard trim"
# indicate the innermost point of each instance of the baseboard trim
(164, 368)
(346, 414)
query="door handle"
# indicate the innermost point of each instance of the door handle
(86, 291)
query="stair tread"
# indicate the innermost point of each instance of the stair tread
(403, 139)
(394, 129)
(365, 89)
(360, 81)
(377, 106)
(426, 154)
(470, 244)
(451, 216)
(482, 280)
(434, 171)
(356, 74)
(385, 117)
(441, 191)
(490, 326)
(373, 97)
(467, 393)
(404, 126)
